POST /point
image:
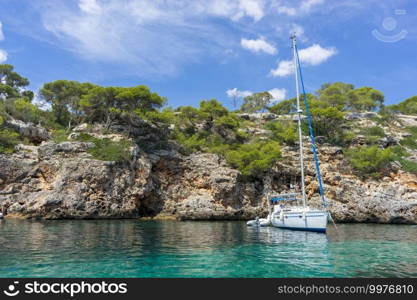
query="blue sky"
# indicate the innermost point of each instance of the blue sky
(189, 50)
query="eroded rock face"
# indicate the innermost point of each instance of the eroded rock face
(48, 149)
(56, 181)
(391, 201)
(71, 187)
(202, 186)
(35, 133)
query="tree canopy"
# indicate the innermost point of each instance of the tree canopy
(212, 108)
(15, 98)
(342, 96)
(64, 97)
(74, 101)
(336, 94)
(365, 99)
(256, 102)
(12, 85)
(290, 106)
(407, 107)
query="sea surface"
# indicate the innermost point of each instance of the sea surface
(132, 248)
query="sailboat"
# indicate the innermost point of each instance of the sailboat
(300, 216)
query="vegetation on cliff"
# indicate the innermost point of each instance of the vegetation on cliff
(407, 107)
(249, 145)
(370, 160)
(106, 149)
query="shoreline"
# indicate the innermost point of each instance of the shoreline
(173, 218)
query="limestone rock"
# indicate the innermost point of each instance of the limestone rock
(258, 116)
(81, 128)
(62, 181)
(35, 133)
(360, 115)
(47, 149)
(407, 120)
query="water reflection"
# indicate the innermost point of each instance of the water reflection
(130, 248)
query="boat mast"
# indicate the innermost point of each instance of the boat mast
(299, 112)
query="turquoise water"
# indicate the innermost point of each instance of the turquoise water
(130, 248)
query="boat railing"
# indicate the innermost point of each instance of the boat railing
(274, 198)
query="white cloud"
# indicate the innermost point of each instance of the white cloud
(1, 32)
(289, 11)
(3, 56)
(316, 54)
(305, 7)
(285, 68)
(156, 37)
(235, 93)
(89, 6)
(311, 56)
(278, 94)
(3, 53)
(259, 45)
(250, 8)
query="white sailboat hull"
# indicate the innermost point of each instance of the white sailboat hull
(301, 219)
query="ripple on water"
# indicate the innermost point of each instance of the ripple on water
(129, 248)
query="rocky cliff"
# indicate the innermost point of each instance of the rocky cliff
(63, 181)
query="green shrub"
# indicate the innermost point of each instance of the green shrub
(348, 138)
(85, 137)
(242, 135)
(373, 134)
(189, 143)
(401, 155)
(104, 149)
(407, 107)
(193, 143)
(190, 113)
(370, 161)
(412, 130)
(166, 116)
(385, 117)
(221, 149)
(229, 121)
(399, 152)
(284, 107)
(255, 157)
(59, 135)
(328, 122)
(373, 131)
(408, 165)
(283, 131)
(209, 130)
(108, 150)
(212, 109)
(23, 110)
(8, 139)
(411, 141)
